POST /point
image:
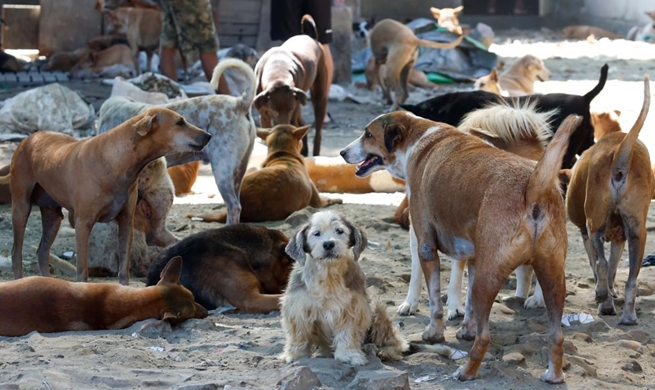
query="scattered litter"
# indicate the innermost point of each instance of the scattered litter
(649, 260)
(5, 262)
(134, 335)
(425, 378)
(224, 309)
(157, 349)
(442, 350)
(373, 245)
(582, 318)
(67, 255)
(197, 219)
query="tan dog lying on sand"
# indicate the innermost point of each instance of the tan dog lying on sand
(94, 179)
(116, 60)
(448, 18)
(517, 80)
(282, 185)
(608, 198)
(285, 73)
(50, 305)
(584, 32)
(395, 45)
(184, 176)
(325, 304)
(474, 202)
(332, 174)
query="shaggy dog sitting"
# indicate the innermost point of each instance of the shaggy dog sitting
(326, 304)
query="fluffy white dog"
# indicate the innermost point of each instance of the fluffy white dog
(325, 304)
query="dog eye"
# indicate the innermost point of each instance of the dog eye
(367, 134)
(316, 233)
(339, 231)
(180, 122)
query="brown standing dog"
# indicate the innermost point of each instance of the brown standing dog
(142, 27)
(282, 185)
(284, 74)
(95, 179)
(617, 174)
(395, 45)
(50, 305)
(508, 213)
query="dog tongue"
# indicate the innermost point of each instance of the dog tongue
(368, 162)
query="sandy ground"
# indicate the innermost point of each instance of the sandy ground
(229, 350)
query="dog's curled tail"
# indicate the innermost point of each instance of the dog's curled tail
(308, 26)
(623, 155)
(246, 98)
(438, 45)
(546, 173)
(589, 96)
(386, 337)
(5, 180)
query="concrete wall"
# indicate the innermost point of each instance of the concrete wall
(628, 10)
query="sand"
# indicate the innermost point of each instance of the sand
(230, 350)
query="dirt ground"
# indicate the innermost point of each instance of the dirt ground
(229, 350)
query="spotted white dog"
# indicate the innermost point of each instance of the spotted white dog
(227, 118)
(325, 304)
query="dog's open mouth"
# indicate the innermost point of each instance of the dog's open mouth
(369, 163)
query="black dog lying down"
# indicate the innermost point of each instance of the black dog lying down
(243, 265)
(450, 108)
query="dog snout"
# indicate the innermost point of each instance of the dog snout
(328, 245)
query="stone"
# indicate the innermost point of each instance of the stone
(380, 380)
(569, 347)
(300, 217)
(514, 358)
(299, 378)
(632, 366)
(503, 308)
(631, 344)
(640, 336)
(330, 372)
(200, 386)
(582, 337)
(585, 368)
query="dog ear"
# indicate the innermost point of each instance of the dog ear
(172, 271)
(565, 176)
(169, 315)
(358, 240)
(493, 76)
(200, 311)
(300, 95)
(144, 125)
(392, 135)
(263, 133)
(297, 247)
(436, 12)
(458, 9)
(617, 112)
(300, 132)
(261, 99)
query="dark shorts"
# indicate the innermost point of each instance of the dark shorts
(286, 15)
(189, 26)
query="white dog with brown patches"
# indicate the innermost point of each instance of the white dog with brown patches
(325, 304)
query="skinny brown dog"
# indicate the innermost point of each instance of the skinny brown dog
(509, 213)
(284, 74)
(282, 185)
(50, 305)
(395, 45)
(95, 179)
(616, 171)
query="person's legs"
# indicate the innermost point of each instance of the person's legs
(209, 60)
(167, 62)
(168, 41)
(519, 7)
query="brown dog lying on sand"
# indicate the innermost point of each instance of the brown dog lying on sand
(284, 74)
(95, 179)
(395, 45)
(583, 32)
(517, 80)
(499, 213)
(50, 305)
(241, 265)
(282, 185)
(616, 173)
(184, 176)
(332, 174)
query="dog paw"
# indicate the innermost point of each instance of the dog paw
(462, 375)
(351, 356)
(607, 308)
(331, 201)
(285, 357)
(628, 319)
(534, 302)
(455, 312)
(432, 335)
(407, 308)
(550, 377)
